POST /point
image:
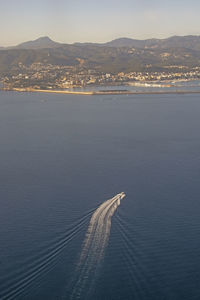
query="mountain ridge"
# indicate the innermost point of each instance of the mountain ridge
(146, 56)
(187, 41)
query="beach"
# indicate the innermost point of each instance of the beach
(104, 92)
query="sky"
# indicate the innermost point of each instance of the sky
(70, 21)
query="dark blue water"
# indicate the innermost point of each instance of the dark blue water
(61, 156)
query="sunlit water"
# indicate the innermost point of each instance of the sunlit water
(63, 159)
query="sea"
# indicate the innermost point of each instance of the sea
(99, 196)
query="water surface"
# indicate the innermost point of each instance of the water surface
(62, 156)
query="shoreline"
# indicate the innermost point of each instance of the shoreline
(108, 92)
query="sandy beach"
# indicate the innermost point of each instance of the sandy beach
(104, 92)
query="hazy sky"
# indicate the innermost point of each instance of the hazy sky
(96, 21)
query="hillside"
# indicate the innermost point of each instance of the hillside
(120, 55)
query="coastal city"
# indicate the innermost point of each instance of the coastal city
(100, 150)
(55, 77)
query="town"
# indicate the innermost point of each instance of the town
(56, 77)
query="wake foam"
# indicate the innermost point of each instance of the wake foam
(93, 249)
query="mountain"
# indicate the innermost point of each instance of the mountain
(42, 42)
(189, 42)
(126, 42)
(121, 55)
(103, 59)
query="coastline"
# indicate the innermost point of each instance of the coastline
(104, 92)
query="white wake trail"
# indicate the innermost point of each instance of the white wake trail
(94, 245)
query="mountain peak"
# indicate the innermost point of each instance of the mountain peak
(44, 38)
(41, 42)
